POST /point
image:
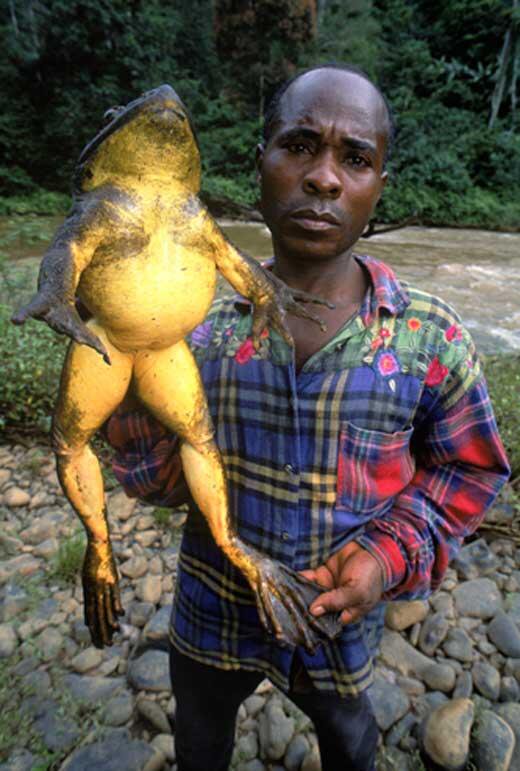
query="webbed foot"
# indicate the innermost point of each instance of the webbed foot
(283, 598)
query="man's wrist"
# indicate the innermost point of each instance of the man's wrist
(389, 556)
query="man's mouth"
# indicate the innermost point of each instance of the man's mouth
(314, 219)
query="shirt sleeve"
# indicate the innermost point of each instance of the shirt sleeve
(146, 462)
(460, 467)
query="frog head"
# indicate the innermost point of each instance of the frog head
(149, 141)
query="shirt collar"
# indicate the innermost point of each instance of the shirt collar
(385, 291)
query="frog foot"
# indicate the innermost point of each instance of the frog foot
(63, 318)
(278, 300)
(283, 598)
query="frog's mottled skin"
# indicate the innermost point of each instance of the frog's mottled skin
(141, 253)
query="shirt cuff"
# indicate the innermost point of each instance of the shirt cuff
(388, 554)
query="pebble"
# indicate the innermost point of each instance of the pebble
(486, 680)
(511, 714)
(150, 672)
(121, 506)
(401, 615)
(157, 627)
(149, 589)
(254, 704)
(399, 654)
(23, 565)
(165, 743)
(474, 560)
(504, 633)
(114, 753)
(447, 734)
(8, 641)
(49, 643)
(87, 659)
(389, 702)
(154, 714)
(458, 645)
(479, 598)
(15, 497)
(433, 632)
(509, 689)
(136, 567)
(246, 747)
(41, 530)
(493, 743)
(296, 751)
(275, 731)
(93, 690)
(140, 613)
(463, 686)
(20, 760)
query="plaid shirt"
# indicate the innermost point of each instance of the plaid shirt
(385, 436)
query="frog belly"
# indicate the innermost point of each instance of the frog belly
(152, 299)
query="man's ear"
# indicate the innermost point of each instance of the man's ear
(259, 157)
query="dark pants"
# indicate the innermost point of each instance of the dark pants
(208, 699)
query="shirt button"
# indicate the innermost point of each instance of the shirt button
(289, 469)
(285, 536)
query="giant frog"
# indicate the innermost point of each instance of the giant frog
(141, 253)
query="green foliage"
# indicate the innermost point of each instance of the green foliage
(37, 202)
(503, 377)
(66, 564)
(162, 516)
(32, 357)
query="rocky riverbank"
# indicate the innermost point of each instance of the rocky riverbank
(447, 680)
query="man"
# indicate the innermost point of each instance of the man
(362, 457)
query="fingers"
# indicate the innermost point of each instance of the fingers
(321, 576)
(304, 297)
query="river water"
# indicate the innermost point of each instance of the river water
(476, 271)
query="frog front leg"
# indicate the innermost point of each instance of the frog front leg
(60, 272)
(169, 384)
(271, 297)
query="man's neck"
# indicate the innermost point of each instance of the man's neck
(340, 280)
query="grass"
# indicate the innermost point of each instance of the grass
(503, 377)
(66, 565)
(162, 516)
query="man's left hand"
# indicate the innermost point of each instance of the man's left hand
(354, 580)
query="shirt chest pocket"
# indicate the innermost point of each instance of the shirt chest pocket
(373, 467)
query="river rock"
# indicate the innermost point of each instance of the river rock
(165, 743)
(458, 645)
(246, 747)
(479, 598)
(87, 659)
(296, 752)
(149, 589)
(474, 560)
(121, 506)
(433, 632)
(399, 654)
(150, 672)
(401, 729)
(389, 702)
(135, 567)
(401, 615)
(154, 714)
(493, 743)
(157, 627)
(119, 709)
(463, 686)
(47, 549)
(312, 760)
(116, 752)
(140, 613)
(275, 731)
(49, 643)
(19, 760)
(93, 690)
(509, 689)
(447, 734)
(39, 531)
(8, 641)
(511, 714)
(504, 633)
(58, 731)
(254, 704)
(16, 497)
(486, 680)
(23, 565)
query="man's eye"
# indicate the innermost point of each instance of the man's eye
(358, 161)
(297, 148)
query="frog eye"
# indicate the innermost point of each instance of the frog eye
(112, 113)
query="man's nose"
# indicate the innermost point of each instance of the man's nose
(323, 179)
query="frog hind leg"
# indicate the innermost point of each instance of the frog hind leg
(169, 384)
(89, 392)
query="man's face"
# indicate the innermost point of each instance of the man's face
(322, 170)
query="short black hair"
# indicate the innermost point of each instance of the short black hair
(272, 110)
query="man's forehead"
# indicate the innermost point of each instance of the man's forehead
(332, 95)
